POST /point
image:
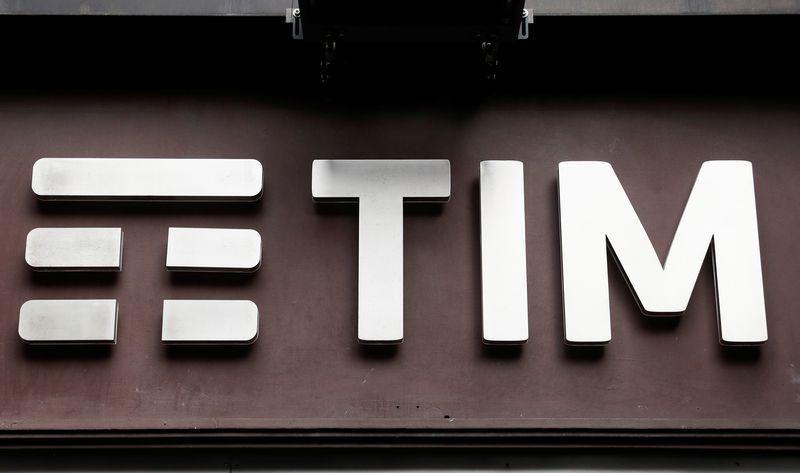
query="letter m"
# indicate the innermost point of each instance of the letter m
(595, 213)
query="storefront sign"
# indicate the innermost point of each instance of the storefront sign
(594, 210)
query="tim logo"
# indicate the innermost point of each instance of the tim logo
(595, 215)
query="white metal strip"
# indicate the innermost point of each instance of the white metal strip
(504, 276)
(210, 322)
(74, 249)
(69, 321)
(213, 249)
(147, 179)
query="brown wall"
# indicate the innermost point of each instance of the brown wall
(306, 369)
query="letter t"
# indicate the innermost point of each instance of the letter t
(380, 187)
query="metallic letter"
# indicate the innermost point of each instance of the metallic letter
(68, 321)
(74, 249)
(380, 187)
(213, 249)
(147, 179)
(209, 322)
(503, 272)
(721, 212)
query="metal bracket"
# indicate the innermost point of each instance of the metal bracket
(293, 17)
(490, 62)
(527, 19)
(328, 60)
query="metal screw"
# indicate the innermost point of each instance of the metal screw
(524, 13)
(296, 13)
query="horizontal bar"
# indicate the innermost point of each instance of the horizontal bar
(74, 249)
(410, 180)
(209, 322)
(213, 249)
(147, 179)
(277, 8)
(69, 321)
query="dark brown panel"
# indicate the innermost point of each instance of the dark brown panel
(306, 371)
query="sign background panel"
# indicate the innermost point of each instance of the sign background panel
(306, 371)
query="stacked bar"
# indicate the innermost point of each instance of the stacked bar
(100, 249)
(211, 322)
(61, 322)
(71, 321)
(204, 180)
(74, 249)
(213, 249)
(208, 322)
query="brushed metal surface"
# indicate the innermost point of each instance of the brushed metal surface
(277, 8)
(380, 187)
(68, 321)
(595, 212)
(267, 8)
(147, 179)
(213, 249)
(504, 279)
(74, 249)
(212, 322)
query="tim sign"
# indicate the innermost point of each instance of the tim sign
(595, 215)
